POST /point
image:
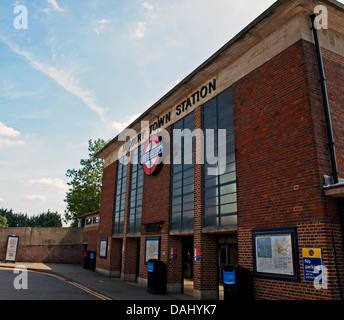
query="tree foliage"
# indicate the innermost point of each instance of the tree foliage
(45, 219)
(3, 222)
(85, 187)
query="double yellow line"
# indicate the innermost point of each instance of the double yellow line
(96, 294)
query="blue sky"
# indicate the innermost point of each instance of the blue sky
(83, 70)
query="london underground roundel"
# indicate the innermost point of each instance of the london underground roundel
(151, 153)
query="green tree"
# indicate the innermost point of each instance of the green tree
(46, 219)
(15, 219)
(85, 187)
(3, 222)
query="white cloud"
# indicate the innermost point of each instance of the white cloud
(7, 131)
(54, 6)
(139, 30)
(35, 197)
(147, 6)
(100, 25)
(120, 126)
(65, 78)
(8, 136)
(2, 200)
(50, 182)
(8, 142)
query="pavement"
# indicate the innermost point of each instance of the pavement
(112, 288)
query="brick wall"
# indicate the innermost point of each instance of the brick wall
(156, 208)
(280, 162)
(58, 245)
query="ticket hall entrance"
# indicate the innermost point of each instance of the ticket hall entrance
(187, 265)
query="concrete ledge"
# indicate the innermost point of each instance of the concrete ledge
(109, 273)
(128, 277)
(205, 294)
(142, 282)
(174, 287)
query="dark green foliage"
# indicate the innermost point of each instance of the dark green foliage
(85, 187)
(45, 219)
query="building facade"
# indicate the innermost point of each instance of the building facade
(234, 166)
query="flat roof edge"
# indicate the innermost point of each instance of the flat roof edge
(264, 15)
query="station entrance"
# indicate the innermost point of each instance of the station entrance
(187, 265)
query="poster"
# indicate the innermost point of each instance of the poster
(12, 246)
(152, 248)
(103, 248)
(274, 253)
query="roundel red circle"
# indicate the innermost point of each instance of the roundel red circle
(151, 154)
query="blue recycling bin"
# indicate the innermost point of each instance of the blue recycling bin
(157, 277)
(92, 260)
(237, 283)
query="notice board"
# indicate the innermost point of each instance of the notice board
(12, 247)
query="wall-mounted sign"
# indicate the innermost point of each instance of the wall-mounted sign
(197, 254)
(12, 247)
(162, 121)
(103, 247)
(152, 152)
(174, 253)
(312, 258)
(275, 253)
(152, 248)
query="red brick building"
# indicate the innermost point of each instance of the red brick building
(276, 208)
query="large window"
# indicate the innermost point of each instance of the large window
(136, 191)
(182, 209)
(120, 195)
(220, 204)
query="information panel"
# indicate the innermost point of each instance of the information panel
(103, 247)
(152, 248)
(12, 246)
(274, 253)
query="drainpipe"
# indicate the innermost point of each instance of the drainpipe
(340, 203)
(326, 105)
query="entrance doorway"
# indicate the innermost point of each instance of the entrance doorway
(137, 258)
(187, 265)
(228, 254)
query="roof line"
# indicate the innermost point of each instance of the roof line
(268, 12)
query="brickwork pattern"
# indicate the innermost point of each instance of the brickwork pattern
(280, 163)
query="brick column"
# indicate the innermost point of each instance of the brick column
(106, 266)
(175, 268)
(205, 270)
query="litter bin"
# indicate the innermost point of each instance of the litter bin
(86, 260)
(92, 255)
(237, 283)
(157, 277)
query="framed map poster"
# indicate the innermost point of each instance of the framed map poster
(275, 253)
(12, 247)
(152, 248)
(103, 248)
